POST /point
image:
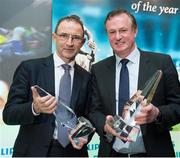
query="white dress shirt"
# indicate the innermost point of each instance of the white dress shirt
(133, 68)
(58, 72)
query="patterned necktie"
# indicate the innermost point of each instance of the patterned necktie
(123, 85)
(64, 96)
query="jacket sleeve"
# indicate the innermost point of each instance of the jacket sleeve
(18, 109)
(170, 111)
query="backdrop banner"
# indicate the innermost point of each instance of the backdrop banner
(158, 31)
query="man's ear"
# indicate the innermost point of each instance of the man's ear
(53, 36)
(136, 31)
(84, 40)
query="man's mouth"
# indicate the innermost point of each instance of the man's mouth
(68, 49)
(119, 43)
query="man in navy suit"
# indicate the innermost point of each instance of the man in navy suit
(35, 114)
(156, 118)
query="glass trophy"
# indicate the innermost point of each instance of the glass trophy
(127, 127)
(41, 91)
(83, 128)
(79, 127)
(67, 117)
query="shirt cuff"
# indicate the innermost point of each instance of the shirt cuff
(34, 113)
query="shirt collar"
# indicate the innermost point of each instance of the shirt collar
(132, 57)
(58, 61)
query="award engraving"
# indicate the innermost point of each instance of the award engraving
(127, 127)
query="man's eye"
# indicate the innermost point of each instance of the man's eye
(77, 37)
(123, 30)
(112, 32)
(64, 35)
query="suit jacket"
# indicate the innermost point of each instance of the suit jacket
(156, 136)
(36, 132)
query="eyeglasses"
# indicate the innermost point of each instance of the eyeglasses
(65, 37)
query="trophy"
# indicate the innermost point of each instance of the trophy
(79, 127)
(83, 128)
(41, 91)
(127, 127)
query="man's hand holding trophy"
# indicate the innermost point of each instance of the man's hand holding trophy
(79, 127)
(125, 127)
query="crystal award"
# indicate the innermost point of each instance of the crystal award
(127, 127)
(79, 127)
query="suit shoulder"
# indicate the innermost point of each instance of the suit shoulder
(155, 55)
(36, 61)
(156, 58)
(82, 70)
(104, 62)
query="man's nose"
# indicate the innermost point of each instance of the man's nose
(69, 40)
(118, 35)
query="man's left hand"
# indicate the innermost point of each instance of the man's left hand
(81, 142)
(147, 114)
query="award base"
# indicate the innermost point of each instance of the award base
(82, 129)
(125, 130)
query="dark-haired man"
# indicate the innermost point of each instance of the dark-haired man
(36, 115)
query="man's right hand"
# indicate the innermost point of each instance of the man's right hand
(107, 127)
(109, 130)
(46, 104)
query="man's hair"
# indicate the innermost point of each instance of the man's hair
(120, 11)
(73, 18)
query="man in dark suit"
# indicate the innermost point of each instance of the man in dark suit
(36, 114)
(154, 119)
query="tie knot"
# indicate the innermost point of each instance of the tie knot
(66, 67)
(124, 62)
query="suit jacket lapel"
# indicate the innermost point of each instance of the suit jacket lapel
(46, 81)
(111, 71)
(146, 69)
(76, 86)
(47, 74)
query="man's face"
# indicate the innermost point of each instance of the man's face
(69, 39)
(121, 35)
